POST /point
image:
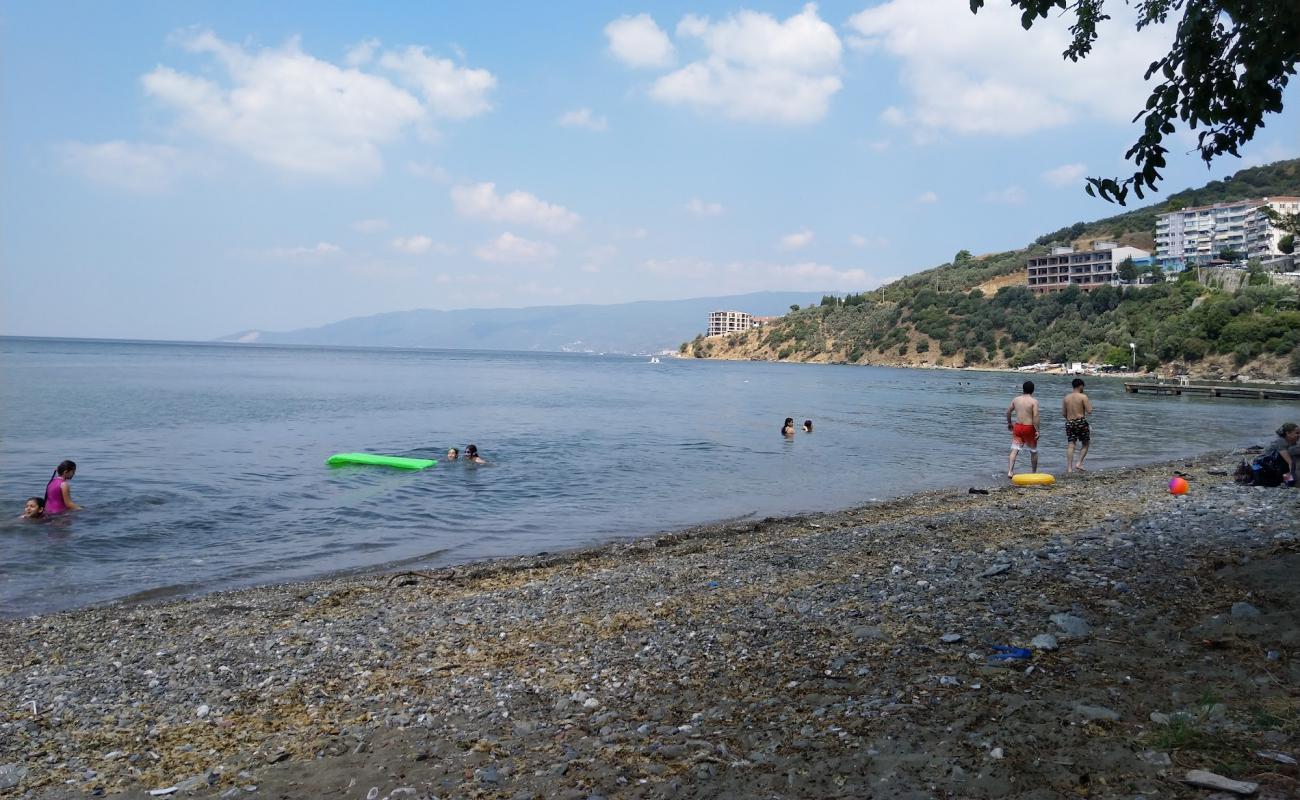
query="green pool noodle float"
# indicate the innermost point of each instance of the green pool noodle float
(344, 459)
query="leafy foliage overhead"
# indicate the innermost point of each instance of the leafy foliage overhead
(1225, 71)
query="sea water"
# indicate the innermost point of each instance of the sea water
(202, 466)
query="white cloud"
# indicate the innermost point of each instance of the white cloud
(702, 209)
(363, 52)
(303, 253)
(757, 68)
(747, 276)
(639, 42)
(1065, 175)
(893, 115)
(634, 233)
(131, 166)
(449, 90)
(287, 109)
(583, 118)
(1010, 196)
(879, 145)
(984, 74)
(481, 201)
(796, 241)
(370, 225)
(510, 249)
(927, 198)
(858, 240)
(417, 245)
(433, 172)
(597, 257)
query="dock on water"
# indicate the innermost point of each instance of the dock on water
(1247, 392)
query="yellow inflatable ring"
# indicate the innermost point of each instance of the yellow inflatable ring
(1033, 479)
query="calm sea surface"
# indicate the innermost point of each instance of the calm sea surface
(203, 466)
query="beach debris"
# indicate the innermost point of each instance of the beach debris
(949, 638)
(1003, 653)
(1209, 780)
(202, 711)
(1044, 641)
(1244, 611)
(973, 490)
(1273, 755)
(164, 791)
(997, 753)
(1071, 625)
(996, 569)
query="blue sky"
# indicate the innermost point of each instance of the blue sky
(188, 170)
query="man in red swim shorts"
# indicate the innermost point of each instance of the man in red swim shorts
(1024, 431)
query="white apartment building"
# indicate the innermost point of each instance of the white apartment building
(724, 322)
(1197, 235)
(1086, 269)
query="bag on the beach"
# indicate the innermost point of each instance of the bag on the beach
(1268, 470)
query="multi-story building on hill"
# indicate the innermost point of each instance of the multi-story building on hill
(724, 322)
(1198, 235)
(1087, 269)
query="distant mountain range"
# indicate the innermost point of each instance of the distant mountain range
(643, 327)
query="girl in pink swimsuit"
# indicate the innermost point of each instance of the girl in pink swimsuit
(58, 496)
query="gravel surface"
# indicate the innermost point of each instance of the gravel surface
(1098, 638)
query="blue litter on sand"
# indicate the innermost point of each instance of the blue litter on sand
(1004, 653)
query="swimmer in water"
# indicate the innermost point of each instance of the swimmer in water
(787, 429)
(472, 456)
(58, 495)
(453, 454)
(34, 508)
(807, 426)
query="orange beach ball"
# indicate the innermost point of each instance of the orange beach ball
(1177, 485)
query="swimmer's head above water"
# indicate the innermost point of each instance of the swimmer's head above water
(453, 454)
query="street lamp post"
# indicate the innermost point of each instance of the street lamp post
(1133, 346)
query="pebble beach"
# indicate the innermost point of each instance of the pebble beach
(1097, 638)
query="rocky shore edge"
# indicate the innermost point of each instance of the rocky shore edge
(1099, 638)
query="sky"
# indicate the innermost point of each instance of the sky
(191, 170)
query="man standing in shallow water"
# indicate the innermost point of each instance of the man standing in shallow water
(1076, 409)
(1024, 431)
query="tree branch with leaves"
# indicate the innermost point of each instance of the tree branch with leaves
(1226, 70)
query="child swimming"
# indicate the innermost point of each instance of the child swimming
(34, 508)
(58, 495)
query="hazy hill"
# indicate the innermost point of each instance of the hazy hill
(641, 327)
(976, 310)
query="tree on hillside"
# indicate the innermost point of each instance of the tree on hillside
(1227, 67)
(1127, 270)
(1228, 254)
(1287, 223)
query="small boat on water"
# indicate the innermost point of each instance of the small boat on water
(654, 359)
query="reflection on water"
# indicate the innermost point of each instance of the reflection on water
(202, 466)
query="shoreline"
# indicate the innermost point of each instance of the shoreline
(792, 655)
(170, 594)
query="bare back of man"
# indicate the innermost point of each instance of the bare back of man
(1076, 408)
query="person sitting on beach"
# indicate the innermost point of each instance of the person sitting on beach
(34, 508)
(1024, 431)
(1075, 408)
(807, 426)
(1287, 447)
(453, 454)
(58, 495)
(787, 429)
(472, 456)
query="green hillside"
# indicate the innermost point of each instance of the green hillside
(939, 317)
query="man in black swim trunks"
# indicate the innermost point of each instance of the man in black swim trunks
(1076, 409)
